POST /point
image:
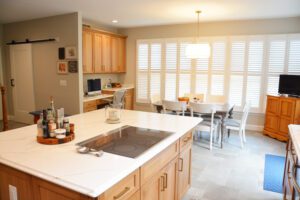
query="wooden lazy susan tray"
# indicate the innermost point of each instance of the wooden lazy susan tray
(51, 141)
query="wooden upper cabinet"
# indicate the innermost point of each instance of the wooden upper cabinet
(97, 53)
(87, 51)
(103, 52)
(106, 53)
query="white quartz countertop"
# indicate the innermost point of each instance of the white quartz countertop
(295, 135)
(84, 173)
(96, 97)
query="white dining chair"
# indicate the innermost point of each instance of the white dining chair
(211, 125)
(154, 100)
(239, 125)
(170, 107)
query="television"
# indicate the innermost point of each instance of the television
(289, 84)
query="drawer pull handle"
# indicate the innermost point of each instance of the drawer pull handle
(165, 180)
(162, 183)
(180, 168)
(118, 196)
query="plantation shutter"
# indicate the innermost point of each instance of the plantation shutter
(238, 56)
(253, 90)
(142, 74)
(171, 69)
(155, 69)
(236, 90)
(294, 57)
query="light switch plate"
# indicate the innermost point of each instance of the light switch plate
(13, 194)
(62, 82)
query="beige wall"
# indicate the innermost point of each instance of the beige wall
(246, 27)
(1, 65)
(45, 57)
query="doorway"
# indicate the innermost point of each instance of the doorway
(22, 82)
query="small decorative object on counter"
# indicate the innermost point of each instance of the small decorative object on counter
(45, 125)
(52, 128)
(67, 126)
(40, 126)
(112, 115)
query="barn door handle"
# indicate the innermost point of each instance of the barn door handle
(12, 82)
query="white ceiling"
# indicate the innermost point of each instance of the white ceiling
(132, 13)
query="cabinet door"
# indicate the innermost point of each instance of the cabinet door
(283, 125)
(272, 122)
(170, 181)
(17, 179)
(273, 104)
(122, 55)
(98, 68)
(47, 191)
(287, 108)
(87, 51)
(184, 168)
(106, 53)
(152, 189)
(114, 54)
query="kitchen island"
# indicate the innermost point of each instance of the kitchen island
(41, 172)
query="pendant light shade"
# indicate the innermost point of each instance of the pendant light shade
(197, 50)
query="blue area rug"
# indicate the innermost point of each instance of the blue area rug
(274, 170)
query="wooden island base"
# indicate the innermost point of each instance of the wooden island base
(167, 176)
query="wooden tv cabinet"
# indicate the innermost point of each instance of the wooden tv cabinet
(280, 112)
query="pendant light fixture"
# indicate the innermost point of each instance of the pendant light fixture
(197, 50)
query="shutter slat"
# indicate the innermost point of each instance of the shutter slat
(273, 84)
(201, 83)
(255, 56)
(294, 57)
(184, 84)
(218, 56)
(217, 85)
(171, 56)
(238, 56)
(143, 56)
(170, 86)
(155, 57)
(277, 56)
(185, 63)
(236, 89)
(253, 90)
(155, 84)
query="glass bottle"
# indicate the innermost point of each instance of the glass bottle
(52, 107)
(40, 126)
(45, 125)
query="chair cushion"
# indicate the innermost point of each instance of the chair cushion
(231, 122)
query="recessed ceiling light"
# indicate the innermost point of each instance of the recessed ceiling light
(114, 21)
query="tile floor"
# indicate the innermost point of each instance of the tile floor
(232, 173)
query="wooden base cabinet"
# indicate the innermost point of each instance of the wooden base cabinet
(280, 112)
(167, 176)
(291, 189)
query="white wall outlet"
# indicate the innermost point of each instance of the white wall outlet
(13, 194)
(63, 83)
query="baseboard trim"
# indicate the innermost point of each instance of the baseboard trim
(252, 127)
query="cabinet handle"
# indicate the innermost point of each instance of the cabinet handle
(180, 168)
(165, 180)
(118, 196)
(162, 183)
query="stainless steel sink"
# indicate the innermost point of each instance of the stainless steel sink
(126, 141)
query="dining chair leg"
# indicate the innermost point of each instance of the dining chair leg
(244, 135)
(211, 138)
(241, 138)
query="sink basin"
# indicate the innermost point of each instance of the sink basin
(126, 141)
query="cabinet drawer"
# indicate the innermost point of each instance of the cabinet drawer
(185, 140)
(90, 104)
(149, 169)
(125, 189)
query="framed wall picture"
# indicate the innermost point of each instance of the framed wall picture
(73, 66)
(70, 53)
(62, 67)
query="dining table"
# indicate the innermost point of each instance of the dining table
(224, 110)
